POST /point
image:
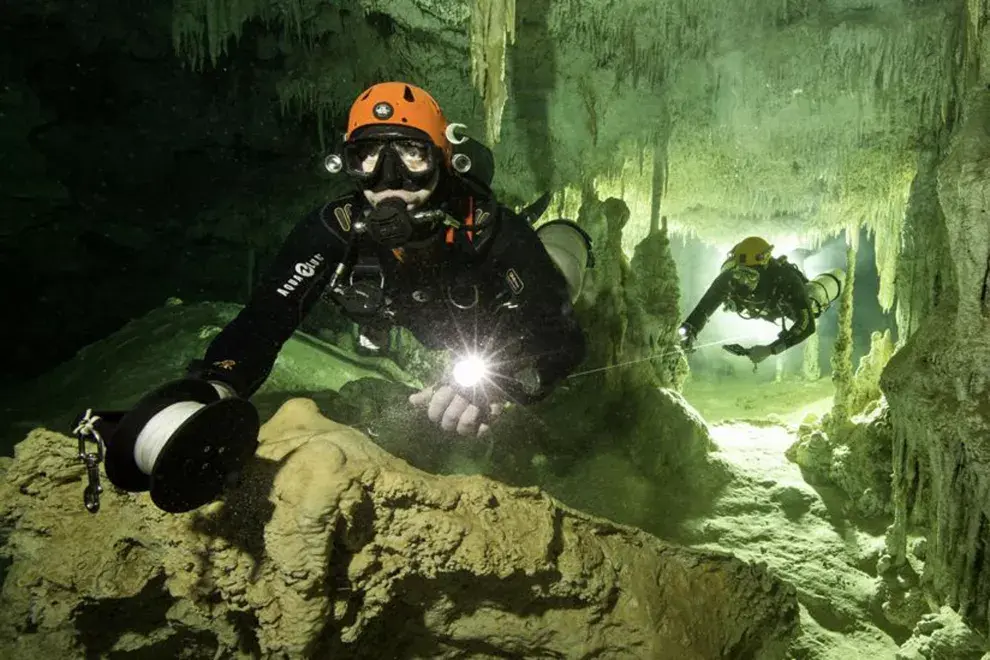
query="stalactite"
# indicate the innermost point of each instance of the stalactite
(958, 534)
(566, 203)
(635, 185)
(924, 251)
(660, 172)
(936, 384)
(975, 11)
(202, 29)
(842, 374)
(897, 74)
(883, 66)
(887, 247)
(492, 30)
(188, 34)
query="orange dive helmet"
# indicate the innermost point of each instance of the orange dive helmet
(398, 104)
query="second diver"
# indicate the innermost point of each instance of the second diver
(756, 285)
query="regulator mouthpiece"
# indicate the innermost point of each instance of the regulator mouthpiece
(470, 371)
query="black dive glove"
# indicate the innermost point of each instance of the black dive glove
(755, 353)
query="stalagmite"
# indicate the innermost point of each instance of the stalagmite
(810, 368)
(492, 30)
(901, 486)
(865, 388)
(842, 372)
(638, 177)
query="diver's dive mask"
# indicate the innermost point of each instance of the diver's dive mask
(392, 162)
(745, 279)
(742, 279)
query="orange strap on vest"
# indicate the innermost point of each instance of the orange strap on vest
(468, 222)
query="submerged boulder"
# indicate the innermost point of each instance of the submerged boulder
(331, 547)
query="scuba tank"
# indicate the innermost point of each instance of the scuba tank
(824, 289)
(569, 248)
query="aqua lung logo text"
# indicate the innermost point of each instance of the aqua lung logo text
(303, 271)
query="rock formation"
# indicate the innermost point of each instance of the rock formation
(939, 391)
(330, 547)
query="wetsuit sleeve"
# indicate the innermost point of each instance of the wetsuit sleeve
(536, 327)
(243, 354)
(716, 294)
(803, 318)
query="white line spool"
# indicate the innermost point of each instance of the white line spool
(159, 429)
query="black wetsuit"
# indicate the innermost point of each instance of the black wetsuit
(493, 287)
(780, 294)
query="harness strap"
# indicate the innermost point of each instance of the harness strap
(468, 222)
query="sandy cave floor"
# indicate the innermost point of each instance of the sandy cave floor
(771, 514)
(789, 400)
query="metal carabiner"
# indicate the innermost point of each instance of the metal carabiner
(85, 431)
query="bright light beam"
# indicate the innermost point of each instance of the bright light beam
(470, 371)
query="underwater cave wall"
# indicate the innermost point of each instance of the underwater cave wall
(128, 178)
(924, 265)
(938, 384)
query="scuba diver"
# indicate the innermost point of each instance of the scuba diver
(421, 243)
(755, 285)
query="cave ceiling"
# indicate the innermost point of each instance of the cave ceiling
(787, 117)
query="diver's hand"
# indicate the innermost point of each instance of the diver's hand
(755, 353)
(454, 412)
(687, 336)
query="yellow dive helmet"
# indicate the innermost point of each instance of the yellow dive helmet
(745, 259)
(752, 252)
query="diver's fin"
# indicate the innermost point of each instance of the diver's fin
(535, 211)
